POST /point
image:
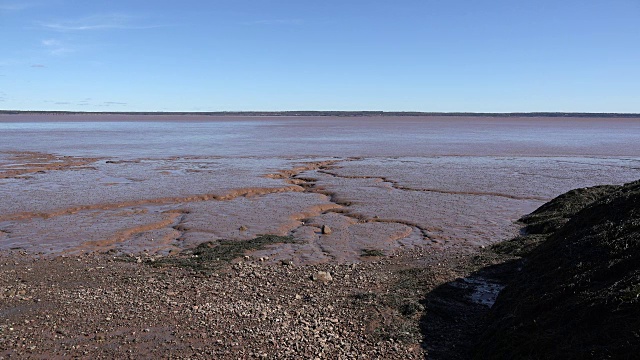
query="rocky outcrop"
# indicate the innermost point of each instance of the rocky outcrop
(577, 294)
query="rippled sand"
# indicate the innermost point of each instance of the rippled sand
(391, 189)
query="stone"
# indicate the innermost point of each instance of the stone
(243, 228)
(322, 276)
(326, 229)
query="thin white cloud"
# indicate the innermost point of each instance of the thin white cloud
(56, 47)
(51, 42)
(98, 22)
(38, 66)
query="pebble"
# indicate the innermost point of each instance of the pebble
(322, 276)
(227, 314)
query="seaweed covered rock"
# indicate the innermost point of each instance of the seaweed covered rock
(557, 212)
(578, 293)
(550, 217)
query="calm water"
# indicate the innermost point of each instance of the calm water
(137, 136)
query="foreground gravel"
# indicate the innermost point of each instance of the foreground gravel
(98, 306)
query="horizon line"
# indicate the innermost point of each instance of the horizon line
(350, 113)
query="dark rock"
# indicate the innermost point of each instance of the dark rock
(578, 293)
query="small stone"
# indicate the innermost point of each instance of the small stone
(287, 262)
(326, 229)
(322, 276)
(243, 228)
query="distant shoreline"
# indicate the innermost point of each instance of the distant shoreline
(334, 114)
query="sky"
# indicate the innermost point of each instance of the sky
(268, 55)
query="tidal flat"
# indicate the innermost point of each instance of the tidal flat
(108, 195)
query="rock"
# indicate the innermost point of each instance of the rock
(326, 229)
(322, 276)
(582, 251)
(243, 228)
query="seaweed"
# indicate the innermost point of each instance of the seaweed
(212, 255)
(371, 253)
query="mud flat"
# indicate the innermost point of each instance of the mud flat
(390, 207)
(54, 205)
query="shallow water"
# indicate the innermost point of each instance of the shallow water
(162, 136)
(76, 184)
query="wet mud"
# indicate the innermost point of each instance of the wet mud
(64, 205)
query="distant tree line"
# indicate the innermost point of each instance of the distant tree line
(335, 113)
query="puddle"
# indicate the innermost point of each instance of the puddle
(485, 292)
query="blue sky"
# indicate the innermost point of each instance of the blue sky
(429, 55)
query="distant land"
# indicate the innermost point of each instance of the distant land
(333, 113)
